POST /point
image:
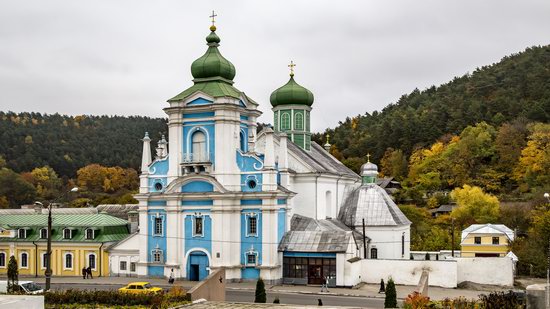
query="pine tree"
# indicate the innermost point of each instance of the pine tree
(391, 295)
(260, 292)
(13, 274)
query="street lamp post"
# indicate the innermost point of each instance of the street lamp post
(48, 272)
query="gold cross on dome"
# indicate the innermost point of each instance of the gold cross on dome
(368, 157)
(291, 66)
(213, 16)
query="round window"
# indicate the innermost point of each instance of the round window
(158, 186)
(252, 184)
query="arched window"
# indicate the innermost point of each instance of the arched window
(2, 259)
(199, 147)
(24, 260)
(91, 260)
(43, 233)
(299, 121)
(285, 121)
(373, 253)
(328, 204)
(242, 142)
(68, 261)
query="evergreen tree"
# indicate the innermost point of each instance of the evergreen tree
(260, 292)
(13, 275)
(391, 295)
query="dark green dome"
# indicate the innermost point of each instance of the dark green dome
(291, 93)
(212, 63)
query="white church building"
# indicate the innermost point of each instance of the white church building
(270, 204)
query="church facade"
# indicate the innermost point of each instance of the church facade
(218, 193)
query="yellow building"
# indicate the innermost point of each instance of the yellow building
(78, 240)
(486, 240)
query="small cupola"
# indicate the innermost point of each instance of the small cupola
(369, 172)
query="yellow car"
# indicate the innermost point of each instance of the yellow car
(140, 287)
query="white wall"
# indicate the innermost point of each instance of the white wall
(408, 272)
(387, 240)
(486, 270)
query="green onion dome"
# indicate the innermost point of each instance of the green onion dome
(212, 63)
(291, 93)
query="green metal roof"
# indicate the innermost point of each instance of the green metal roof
(291, 93)
(107, 228)
(84, 220)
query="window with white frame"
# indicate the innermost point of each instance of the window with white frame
(2, 259)
(198, 225)
(90, 233)
(251, 258)
(68, 261)
(285, 121)
(123, 265)
(299, 121)
(92, 260)
(132, 266)
(157, 256)
(67, 233)
(22, 233)
(43, 233)
(158, 226)
(44, 260)
(252, 225)
(24, 260)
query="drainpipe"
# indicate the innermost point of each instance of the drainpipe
(100, 258)
(35, 259)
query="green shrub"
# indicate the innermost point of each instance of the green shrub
(391, 295)
(498, 300)
(260, 292)
(113, 298)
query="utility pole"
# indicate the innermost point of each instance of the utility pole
(48, 272)
(364, 241)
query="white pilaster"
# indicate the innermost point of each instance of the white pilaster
(143, 239)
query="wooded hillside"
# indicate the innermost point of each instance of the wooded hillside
(516, 87)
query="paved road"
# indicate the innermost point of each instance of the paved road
(248, 296)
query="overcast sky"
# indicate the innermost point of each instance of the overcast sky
(129, 57)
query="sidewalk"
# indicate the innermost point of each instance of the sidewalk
(367, 290)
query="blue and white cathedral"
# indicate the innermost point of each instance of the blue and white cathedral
(218, 193)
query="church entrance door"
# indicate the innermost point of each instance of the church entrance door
(197, 266)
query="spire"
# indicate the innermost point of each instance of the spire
(146, 155)
(291, 66)
(327, 144)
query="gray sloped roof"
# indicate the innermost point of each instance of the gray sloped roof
(310, 235)
(372, 203)
(320, 160)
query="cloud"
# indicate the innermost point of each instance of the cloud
(129, 57)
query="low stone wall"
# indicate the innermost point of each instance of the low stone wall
(408, 272)
(486, 270)
(212, 288)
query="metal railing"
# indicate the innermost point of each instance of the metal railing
(196, 157)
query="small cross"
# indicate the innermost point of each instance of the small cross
(291, 66)
(213, 16)
(368, 157)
